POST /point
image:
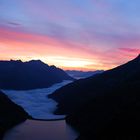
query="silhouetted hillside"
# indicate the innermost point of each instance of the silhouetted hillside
(104, 106)
(10, 114)
(80, 91)
(115, 115)
(29, 75)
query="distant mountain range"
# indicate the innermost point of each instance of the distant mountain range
(34, 74)
(105, 106)
(82, 74)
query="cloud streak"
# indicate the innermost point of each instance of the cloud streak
(91, 30)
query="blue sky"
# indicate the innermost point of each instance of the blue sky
(99, 27)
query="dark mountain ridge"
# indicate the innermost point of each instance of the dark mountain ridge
(84, 90)
(20, 75)
(10, 114)
(106, 106)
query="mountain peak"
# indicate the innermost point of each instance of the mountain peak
(15, 61)
(32, 74)
(37, 62)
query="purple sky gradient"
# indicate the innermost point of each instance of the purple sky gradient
(104, 28)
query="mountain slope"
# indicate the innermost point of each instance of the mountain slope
(29, 75)
(79, 92)
(115, 115)
(10, 114)
(106, 106)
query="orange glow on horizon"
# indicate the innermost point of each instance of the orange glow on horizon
(63, 54)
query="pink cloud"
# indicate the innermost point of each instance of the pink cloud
(130, 50)
(21, 45)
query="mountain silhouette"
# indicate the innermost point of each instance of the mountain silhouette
(10, 114)
(82, 74)
(34, 74)
(104, 106)
(83, 90)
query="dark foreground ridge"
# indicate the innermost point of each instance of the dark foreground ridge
(10, 114)
(20, 75)
(104, 106)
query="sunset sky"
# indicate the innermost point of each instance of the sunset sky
(71, 34)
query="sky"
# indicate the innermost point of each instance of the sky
(71, 34)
